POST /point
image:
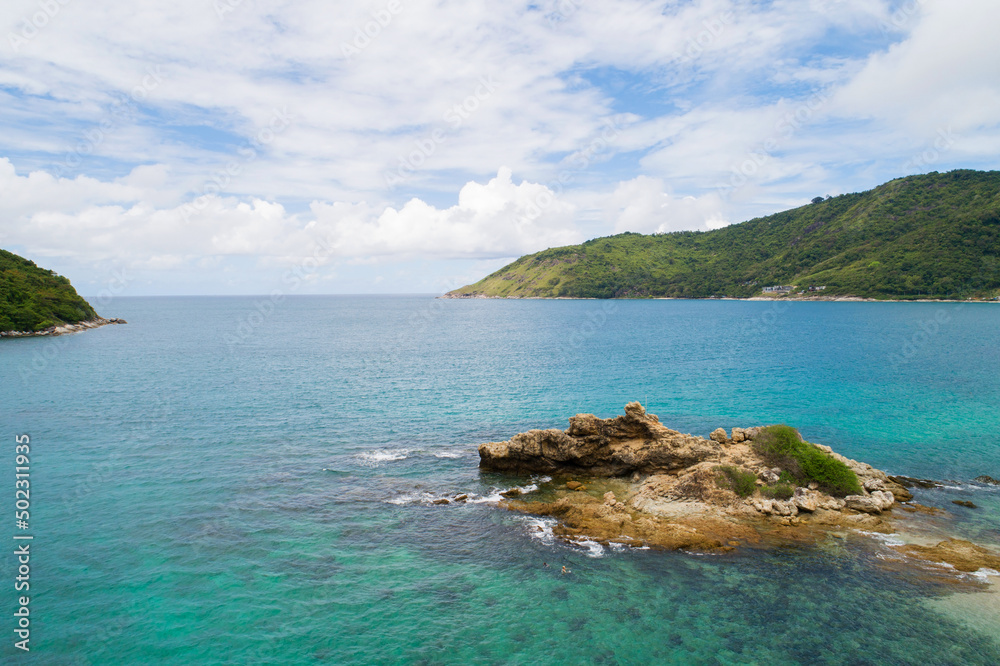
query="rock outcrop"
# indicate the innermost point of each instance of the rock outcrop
(679, 490)
(635, 442)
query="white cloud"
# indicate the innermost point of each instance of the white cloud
(85, 217)
(945, 73)
(642, 205)
(702, 85)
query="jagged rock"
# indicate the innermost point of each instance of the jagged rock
(443, 500)
(784, 508)
(832, 503)
(987, 479)
(635, 442)
(513, 492)
(874, 484)
(770, 475)
(805, 500)
(910, 482)
(739, 435)
(461, 498)
(574, 485)
(611, 501)
(865, 503)
(888, 499)
(967, 504)
(719, 435)
(899, 492)
(877, 502)
(773, 507)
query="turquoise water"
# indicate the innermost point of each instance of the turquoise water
(214, 486)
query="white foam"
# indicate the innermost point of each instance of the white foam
(379, 456)
(886, 539)
(540, 528)
(496, 496)
(984, 574)
(972, 486)
(447, 454)
(594, 549)
(412, 498)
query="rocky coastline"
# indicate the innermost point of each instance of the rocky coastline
(631, 480)
(777, 299)
(63, 329)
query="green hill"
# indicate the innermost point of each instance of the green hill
(32, 298)
(930, 236)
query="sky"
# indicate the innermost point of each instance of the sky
(414, 146)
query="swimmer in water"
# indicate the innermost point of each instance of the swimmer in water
(565, 570)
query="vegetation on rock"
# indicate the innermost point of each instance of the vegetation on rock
(780, 491)
(741, 482)
(930, 236)
(783, 447)
(33, 299)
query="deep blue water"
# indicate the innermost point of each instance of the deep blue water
(234, 481)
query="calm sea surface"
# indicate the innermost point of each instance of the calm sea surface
(234, 481)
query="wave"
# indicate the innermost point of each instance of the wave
(412, 498)
(983, 575)
(594, 549)
(973, 486)
(379, 456)
(885, 539)
(541, 528)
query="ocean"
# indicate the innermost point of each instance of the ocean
(241, 480)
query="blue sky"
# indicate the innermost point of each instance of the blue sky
(417, 145)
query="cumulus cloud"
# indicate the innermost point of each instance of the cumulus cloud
(104, 220)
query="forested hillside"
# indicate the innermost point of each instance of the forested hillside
(930, 236)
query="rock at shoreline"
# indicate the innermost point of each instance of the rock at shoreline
(963, 555)
(63, 329)
(910, 482)
(875, 502)
(987, 479)
(675, 490)
(967, 504)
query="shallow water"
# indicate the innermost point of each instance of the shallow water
(217, 487)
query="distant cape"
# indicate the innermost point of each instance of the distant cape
(935, 236)
(36, 301)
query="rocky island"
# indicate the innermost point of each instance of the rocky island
(631, 480)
